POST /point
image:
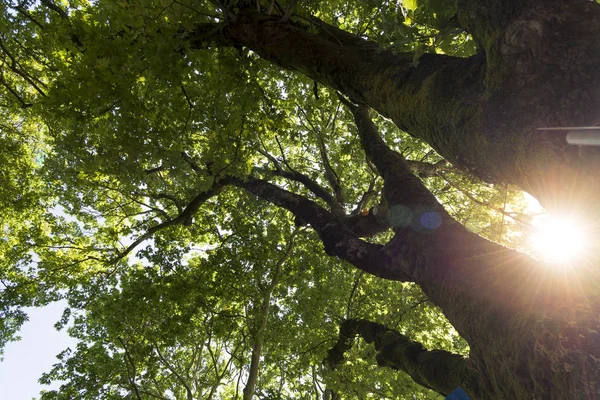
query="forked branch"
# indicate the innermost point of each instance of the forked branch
(311, 185)
(184, 218)
(337, 239)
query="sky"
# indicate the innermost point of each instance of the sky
(26, 360)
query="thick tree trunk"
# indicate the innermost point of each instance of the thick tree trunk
(483, 113)
(519, 316)
(534, 331)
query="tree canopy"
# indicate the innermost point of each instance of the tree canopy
(320, 199)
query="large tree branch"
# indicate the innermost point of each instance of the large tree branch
(492, 284)
(362, 225)
(337, 239)
(315, 188)
(479, 113)
(311, 185)
(438, 370)
(386, 81)
(355, 251)
(185, 217)
(401, 186)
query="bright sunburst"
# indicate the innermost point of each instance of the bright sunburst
(557, 239)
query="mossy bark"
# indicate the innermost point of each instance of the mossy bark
(537, 68)
(534, 332)
(501, 301)
(437, 370)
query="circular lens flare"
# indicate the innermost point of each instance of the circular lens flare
(557, 239)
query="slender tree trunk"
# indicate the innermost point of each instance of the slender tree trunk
(262, 320)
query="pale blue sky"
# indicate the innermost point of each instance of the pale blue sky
(26, 360)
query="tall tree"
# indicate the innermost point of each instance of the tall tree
(205, 131)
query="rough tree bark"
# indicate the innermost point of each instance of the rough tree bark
(533, 331)
(486, 291)
(437, 370)
(537, 68)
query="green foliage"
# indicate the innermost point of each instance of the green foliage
(415, 25)
(111, 126)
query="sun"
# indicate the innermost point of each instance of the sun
(557, 239)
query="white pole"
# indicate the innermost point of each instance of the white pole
(584, 137)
